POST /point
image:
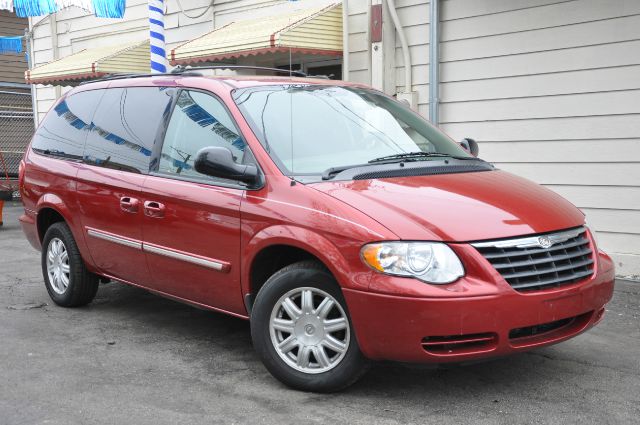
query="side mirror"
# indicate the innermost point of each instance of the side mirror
(217, 161)
(470, 146)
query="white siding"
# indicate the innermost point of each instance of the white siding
(414, 16)
(551, 90)
(359, 41)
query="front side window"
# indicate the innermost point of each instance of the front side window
(125, 128)
(65, 128)
(308, 129)
(199, 120)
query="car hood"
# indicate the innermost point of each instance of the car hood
(457, 207)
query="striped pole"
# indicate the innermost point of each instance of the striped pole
(156, 36)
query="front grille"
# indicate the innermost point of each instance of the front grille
(529, 263)
(530, 331)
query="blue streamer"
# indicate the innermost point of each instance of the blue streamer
(199, 115)
(204, 119)
(10, 45)
(78, 123)
(101, 8)
(24, 8)
(62, 108)
(239, 144)
(109, 8)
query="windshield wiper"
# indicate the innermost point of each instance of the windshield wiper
(53, 152)
(329, 173)
(414, 156)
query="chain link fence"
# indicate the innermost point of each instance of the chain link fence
(16, 129)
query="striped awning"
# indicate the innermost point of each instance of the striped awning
(310, 31)
(93, 63)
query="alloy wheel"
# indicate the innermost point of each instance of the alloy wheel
(58, 266)
(309, 330)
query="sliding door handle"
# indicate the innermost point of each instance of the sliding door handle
(153, 209)
(129, 204)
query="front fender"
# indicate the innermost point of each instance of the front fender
(321, 247)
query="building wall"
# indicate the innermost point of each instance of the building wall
(359, 44)
(12, 65)
(551, 90)
(414, 16)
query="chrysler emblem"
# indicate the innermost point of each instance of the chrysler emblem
(544, 242)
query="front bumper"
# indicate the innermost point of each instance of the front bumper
(469, 327)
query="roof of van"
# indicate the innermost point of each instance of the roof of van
(252, 80)
(231, 81)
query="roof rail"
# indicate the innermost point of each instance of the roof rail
(192, 70)
(180, 69)
(120, 76)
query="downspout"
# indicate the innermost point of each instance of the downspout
(53, 28)
(434, 62)
(391, 4)
(345, 40)
(28, 38)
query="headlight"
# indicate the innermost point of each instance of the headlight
(431, 262)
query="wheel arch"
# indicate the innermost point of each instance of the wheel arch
(278, 246)
(46, 217)
(51, 209)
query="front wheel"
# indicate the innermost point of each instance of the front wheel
(301, 329)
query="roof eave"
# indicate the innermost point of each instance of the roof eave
(254, 52)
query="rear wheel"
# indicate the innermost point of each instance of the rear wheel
(66, 278)
(302, 330)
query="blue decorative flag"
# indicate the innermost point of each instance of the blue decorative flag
(109, 8)
(10, 44)
(101, 8)
(26, 8)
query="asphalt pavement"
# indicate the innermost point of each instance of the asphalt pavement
(131, 357)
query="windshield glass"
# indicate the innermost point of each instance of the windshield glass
(310, 128)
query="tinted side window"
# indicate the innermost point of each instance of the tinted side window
(64, 129)
(199, 120)
(125, 127)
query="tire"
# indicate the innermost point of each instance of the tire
(312, 364)
(74, 285)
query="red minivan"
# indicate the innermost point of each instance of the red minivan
(343, 225)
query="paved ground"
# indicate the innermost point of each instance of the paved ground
(134, 358)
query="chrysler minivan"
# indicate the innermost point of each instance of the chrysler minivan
(342, 224)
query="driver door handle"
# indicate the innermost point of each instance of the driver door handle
(153, 209)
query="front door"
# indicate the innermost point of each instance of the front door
(191, 222)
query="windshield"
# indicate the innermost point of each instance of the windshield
(308, 129)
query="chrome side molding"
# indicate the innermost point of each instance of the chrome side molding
(114, 238)
(220, 266)
(210, 263)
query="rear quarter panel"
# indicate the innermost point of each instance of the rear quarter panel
(51, 183)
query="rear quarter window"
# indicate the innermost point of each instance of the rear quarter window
(64, 130)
